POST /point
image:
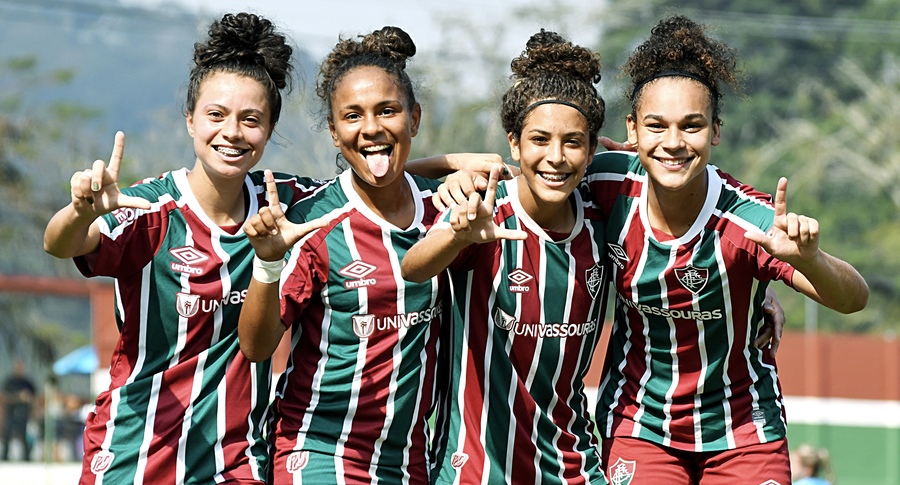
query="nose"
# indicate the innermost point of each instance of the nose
(555, 152)
(370, 125)
(231, 128)
(672, 139)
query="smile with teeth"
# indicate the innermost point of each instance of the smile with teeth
(375, 149)
(677, 162)
(230, 152)
(554, 177)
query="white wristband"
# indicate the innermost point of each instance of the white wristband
(267, 271)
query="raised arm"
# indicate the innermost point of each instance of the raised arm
(440, 247)
(272, 235)
(95, 192)
(794, 239)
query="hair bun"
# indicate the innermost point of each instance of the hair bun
(548, 52)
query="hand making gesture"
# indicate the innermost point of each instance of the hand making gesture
(793, 238)
(96, 190)
(473, 221)
(270, 232)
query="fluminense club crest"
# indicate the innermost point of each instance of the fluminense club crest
(297, 461)
(101, 462)
(458, 459)
(593, 277)
(622, 472)
(694, 279)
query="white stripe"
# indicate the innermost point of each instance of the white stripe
(843, 412)
(673, 346)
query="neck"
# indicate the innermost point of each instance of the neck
(392, 202)
(221, 200)
(675, 211)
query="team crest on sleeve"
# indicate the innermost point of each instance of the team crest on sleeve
(517, 280)
(622, 472)
(187, 304)
(693, 279)
(617, 255)
(458, 459)
(356, 273)
(503, 320)
(101, 462)
(297, 461)
(593, 277)
(363, 325)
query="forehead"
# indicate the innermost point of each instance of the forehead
(555, 118)
(673, 95)
(231, 89)
(366, 83)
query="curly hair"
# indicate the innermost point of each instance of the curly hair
(676, 45)
(387, 48)
(248, 45)
(552, 67)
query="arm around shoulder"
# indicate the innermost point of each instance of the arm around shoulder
(832, 282)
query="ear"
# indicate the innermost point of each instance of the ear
(631, 126)
(513, 146)
(415, 115)
(334, 135)
(717, 128)
(189, 121)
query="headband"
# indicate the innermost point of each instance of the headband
(660, 74)
(552, 101)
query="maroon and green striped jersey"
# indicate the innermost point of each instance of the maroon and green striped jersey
(184, 405)
(360, 381)
(526, 319)
(681, 369)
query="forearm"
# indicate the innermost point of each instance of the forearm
(431, 255)
(70, 234)
(832, 282)
(260, 328)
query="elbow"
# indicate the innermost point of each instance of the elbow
(251, 354)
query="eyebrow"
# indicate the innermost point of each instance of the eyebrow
(570, 134)
(689, 117)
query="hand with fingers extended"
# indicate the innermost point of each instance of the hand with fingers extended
(473, 221)
(96, 190)
(773, 325)
(793, 238)
(270, 232)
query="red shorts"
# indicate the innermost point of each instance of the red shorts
(636, 461)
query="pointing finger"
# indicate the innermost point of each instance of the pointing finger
(781, 198)
(116, 158)
(272, 189)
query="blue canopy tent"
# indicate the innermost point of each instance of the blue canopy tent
(82, 360)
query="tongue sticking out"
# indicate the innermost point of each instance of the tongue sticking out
(378, 163)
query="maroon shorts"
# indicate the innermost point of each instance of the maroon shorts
(636, 461)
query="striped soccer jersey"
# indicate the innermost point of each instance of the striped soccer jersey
(681, 369)
(359, 385)
(184, 405)
(526, 319)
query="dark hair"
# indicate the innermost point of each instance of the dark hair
(551, 67)
(248, 45)
(387, 48)
(676, 45)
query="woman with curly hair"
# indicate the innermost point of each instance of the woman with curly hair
(528, 285)
(353, 405)
(686, 397)
(184, 405)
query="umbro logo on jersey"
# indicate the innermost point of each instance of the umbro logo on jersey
(297, 461)
(518, 278)
(622, 472)
(188, 257)
(363, 325)
(503, 319)
(593, 277)
(458, 459)
(357, 272)
(101, 462)
(694, 279)
(617, 255)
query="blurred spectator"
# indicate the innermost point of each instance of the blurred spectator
(18, 399)
(811, 466)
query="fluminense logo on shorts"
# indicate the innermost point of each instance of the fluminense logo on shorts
(187, 256)
(365, 325)
(622, 472)
(458, 459)
(693, 279)
(357, 272)
(297, 461)
(518, 278)
(101, 462)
